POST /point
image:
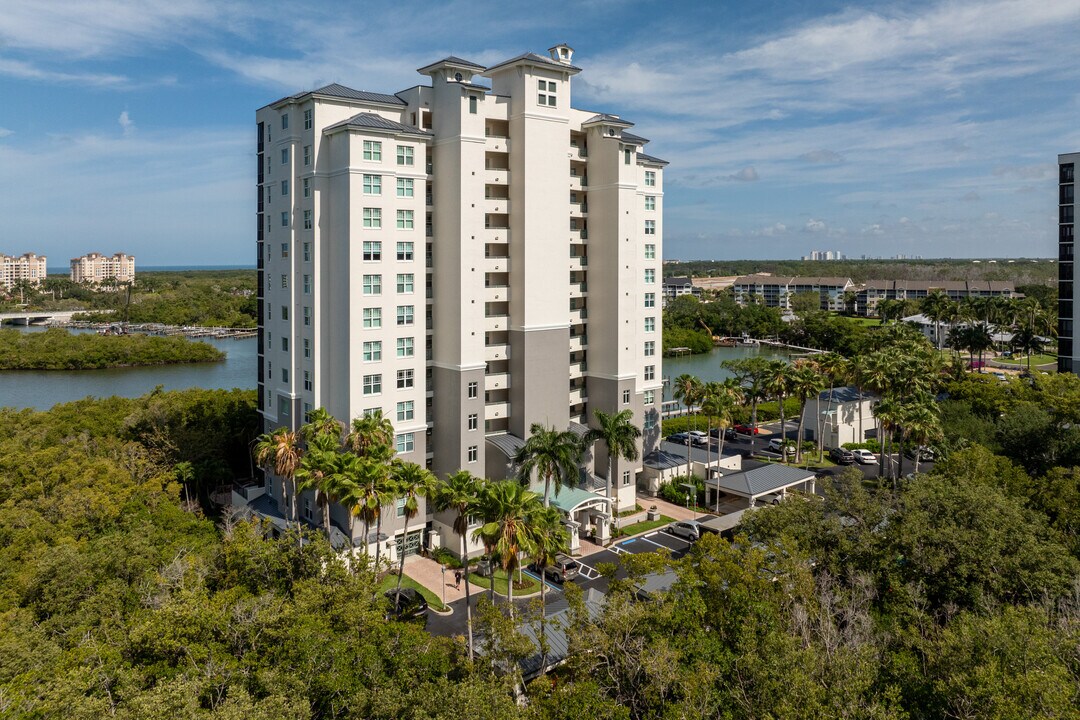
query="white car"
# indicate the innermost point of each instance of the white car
(776, 443)
(865, 457)
(698, 438)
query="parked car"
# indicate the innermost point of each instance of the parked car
(747, 430)
(729, 433)
(775, 445)
(686, 529)
(406, 604)
(680, 438)
(841, 456)
(926, 454)
(698, 438)
(562, 569)
(864, 457)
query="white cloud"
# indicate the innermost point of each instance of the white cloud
(27, 71)
(747, 174)
(815, 226)
(822, 156)
(4, 132)
(127, 126)
(775, 229)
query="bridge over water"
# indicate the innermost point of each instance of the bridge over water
(37, 317)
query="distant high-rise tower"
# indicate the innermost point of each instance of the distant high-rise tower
(1066, 305)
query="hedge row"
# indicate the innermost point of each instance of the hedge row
(767, 412)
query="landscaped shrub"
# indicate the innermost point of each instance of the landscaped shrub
(872, 445)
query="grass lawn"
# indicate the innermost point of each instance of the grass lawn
(1042, 359)
(528, 586)
(644, 526)
(390, 582)
(868, 322)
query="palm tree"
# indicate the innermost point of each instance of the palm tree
(751, 373)
(980, 340)
(280, 453)
(411, 482)
(511, 530)
(553, 454)
(778, 385)
(836, 368)
(936, 308)
(461, 493)
(619, 435)
(806, 382)
(370, 432)
(719, 400)
(688, 389)
(922, 425)
(375, 491)
(888, 413)
(321, 423)
(549, 538)
(316, 468)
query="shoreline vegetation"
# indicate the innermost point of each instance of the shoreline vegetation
(57, 349)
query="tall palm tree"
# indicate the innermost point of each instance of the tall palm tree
(461, 494)
(922, 425)
(553, 454)
(315, 473)
(751, 373)
(888, 413)
(688, 389)
(376, 491)
(778, 385)
(619, 435)
(806, 382)
(980, 340)
(720, 398)
(280, 452)
(549, 538)
(321, 423)
(411, 482)
(511, 531)
(370, 432)
(936, 308)
(837, 369)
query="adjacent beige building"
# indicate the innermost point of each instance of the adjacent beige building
(470, 258)
(28, 266)
(103, 269)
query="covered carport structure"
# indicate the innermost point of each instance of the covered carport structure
(769, 479)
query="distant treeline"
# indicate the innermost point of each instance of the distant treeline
(57, 349)
(1039, 272)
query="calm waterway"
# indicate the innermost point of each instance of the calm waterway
(707, 366)
(43, 389)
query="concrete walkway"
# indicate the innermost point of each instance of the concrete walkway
(429, 573)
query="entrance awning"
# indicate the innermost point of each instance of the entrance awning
(570, 500)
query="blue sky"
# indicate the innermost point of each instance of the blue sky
(923, 128)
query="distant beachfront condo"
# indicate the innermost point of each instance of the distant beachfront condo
(469, 259)
(28, 267)
(102, 269)
(1067, 309)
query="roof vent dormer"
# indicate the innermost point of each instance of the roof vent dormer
(562, 53)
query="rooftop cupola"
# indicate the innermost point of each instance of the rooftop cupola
(562, 53)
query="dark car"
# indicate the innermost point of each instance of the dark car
(682, 438)
(562, 569)
(406, 604)
(747, 430)
(842, 456)
(729, 433)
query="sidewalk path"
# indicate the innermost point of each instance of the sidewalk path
(429, 573)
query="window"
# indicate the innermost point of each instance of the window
(284, 282)
(650, 421)
(307, 348)
(404, 379)
(307, 155)
(285, 219)
(284, 250)
(307, 252)
(372, 318)
(405, 347)
(372, 250)
(307, 284)
(626, 156)
(474, 453)
(405, 251)
(373, 284)
(472, 104)
(285, 121)
(473, 389)
(372, 217)
(404, 219)
(404, 187)
(546, 95)
(650, 251)
(650, 178)
(404, 442)
(404, 314)
(307, 220)
(399, 507)
(284, 187)
(650, 348)
(308, 385)
(650, 372)
(307, 187)
(649, 397)
(307, 315)
(650, 324)
(405, 410)
(373, 351)
(285, 344)
(474, 421)
(269, 371)
(284, 156)
(625, 397)
(373, 150)
(650, 202)
(404, 155)
(625, 478)
(650, 276)
(269, 312)
(650, 300)
(283, 405)
(650, 227)
(307, 120)
(284, 312)
(284, 375)
(373, 184)
(405, 282)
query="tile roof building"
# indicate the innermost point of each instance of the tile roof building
(28, 267)
(103, 269)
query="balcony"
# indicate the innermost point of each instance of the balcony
(493, 353)
(579, 263)
(578, 342)
(496, 264)
(579, 235)
(497, 410)
(578, 370)
(579, 290)
(578, 396)
(499, 206)
(497, 176)
(575, 183)
(579, 210)
(497, 381)
(578, 152)
(579, 316)
(494, 143)
(497, 322)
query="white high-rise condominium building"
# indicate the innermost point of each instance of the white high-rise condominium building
(1067, 310)
(28, 267)
(469, 258)
(103, 269)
